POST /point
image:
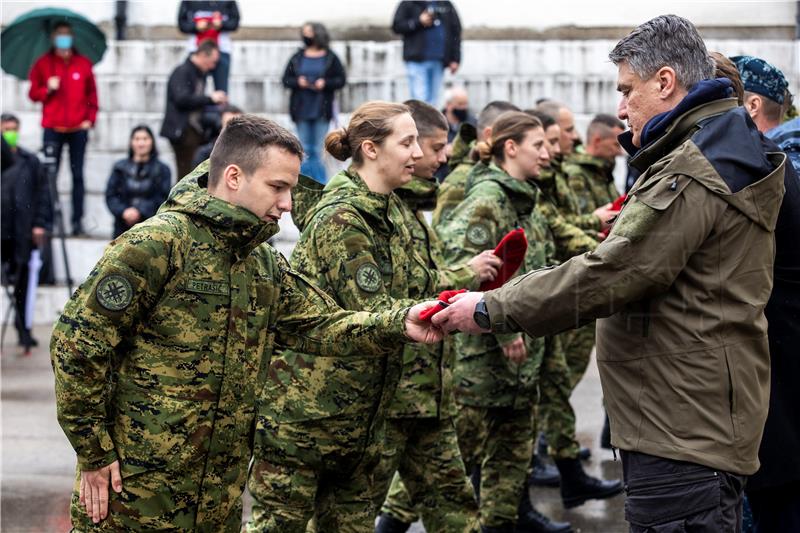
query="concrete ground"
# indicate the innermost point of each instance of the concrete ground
(38, 463)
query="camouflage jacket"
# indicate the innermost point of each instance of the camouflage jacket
(159, 356)
(553, 183)
(568, 240)
(592, 180)
(451, 191)
(356, 246)
(495, 203)
(426, 383)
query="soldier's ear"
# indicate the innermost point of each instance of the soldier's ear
(369, 149)
(510, 147)
(232, 176)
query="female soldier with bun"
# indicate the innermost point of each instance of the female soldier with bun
(323, 426)
(496, 375)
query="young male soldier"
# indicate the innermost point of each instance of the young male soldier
(159, 355)
(451, 191)
(591, 174)
(683, 278)
(421, 441)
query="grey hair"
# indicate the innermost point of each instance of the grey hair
(665, 41)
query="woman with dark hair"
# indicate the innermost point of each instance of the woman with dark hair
(313, 74)
(139, 184)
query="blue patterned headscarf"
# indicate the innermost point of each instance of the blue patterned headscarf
(760, 77)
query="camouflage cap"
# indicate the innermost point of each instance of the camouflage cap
(762, 78)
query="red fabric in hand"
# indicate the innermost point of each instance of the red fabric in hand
(511, 250)
(444, 296)
(616, 205)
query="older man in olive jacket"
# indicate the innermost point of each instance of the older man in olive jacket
(683, 280)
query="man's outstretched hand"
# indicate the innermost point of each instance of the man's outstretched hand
(420, 330)
(93, 493)
(458, 316)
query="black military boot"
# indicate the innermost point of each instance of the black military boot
(389, 524)
(544, 474)
(529, 520)
(577, 486)
(605, 436)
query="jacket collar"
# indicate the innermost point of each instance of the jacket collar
(521, 193)
(419, 194)
(236, 226)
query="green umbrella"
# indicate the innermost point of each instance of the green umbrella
(23, 41)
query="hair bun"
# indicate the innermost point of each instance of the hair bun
(483, 150)
(337, 144)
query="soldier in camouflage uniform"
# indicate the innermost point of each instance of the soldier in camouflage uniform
(160, 354)
(567, 362)
(591, 175)
(497, 375)
(556, 413)
(421, 439)
(591, 179)
(451, 191)
(321, 436)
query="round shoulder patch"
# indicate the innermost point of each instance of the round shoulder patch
(478, 233)
(114, 292)
(368, 277)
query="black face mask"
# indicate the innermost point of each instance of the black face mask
(460, 114)
(308, 41)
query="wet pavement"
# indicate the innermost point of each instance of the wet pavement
(38, 463)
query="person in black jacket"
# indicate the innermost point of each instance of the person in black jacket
(186, 102)
(211, 20)
(227, 112)
(774, 491)
(313, 74)
(27, 216)
(431, 41)
(139, 184)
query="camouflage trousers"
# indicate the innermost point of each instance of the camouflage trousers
(424, 453)
(577, 345)
(498, 440)
(555, 414)
(321, 471)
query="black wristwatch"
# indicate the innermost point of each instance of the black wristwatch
(481, 315)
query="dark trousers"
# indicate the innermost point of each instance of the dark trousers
(76, 141)
(17, 275)
(221, 72)
(185, 148)
(776, 510)
(667, 496)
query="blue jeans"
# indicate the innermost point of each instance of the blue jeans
(425, 80)
(221, 72)
(76, 141)
(311, 134)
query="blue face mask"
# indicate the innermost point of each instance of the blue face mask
(63, 42)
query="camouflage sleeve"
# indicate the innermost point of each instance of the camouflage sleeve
(346, 254)
(458, 276)
(478, 224)
(309, 321)
(574, 185)
(587, 222)
(570, 240)
(648, 247)
(105, 309)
